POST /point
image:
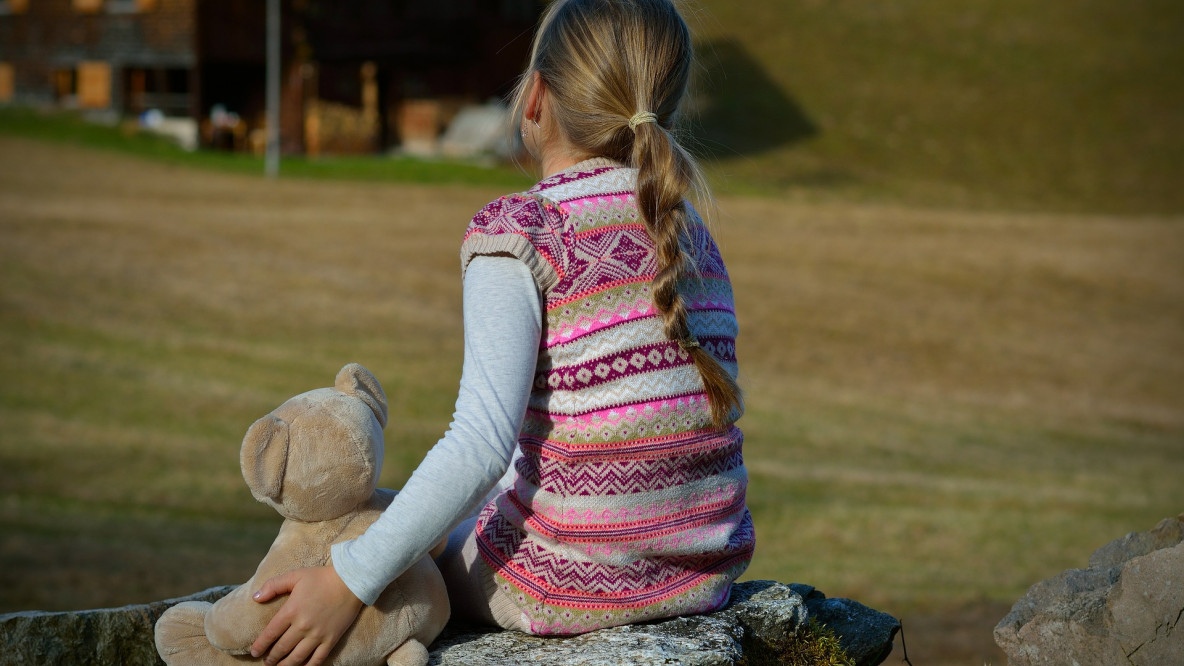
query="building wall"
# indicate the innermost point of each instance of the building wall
(71, 52)
(366, 75)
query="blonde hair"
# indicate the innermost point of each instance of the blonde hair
(616, 71)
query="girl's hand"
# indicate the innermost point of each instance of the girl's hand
(309, 624)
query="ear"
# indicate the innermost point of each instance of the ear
(357, 381)
(534, 98)
(264, 457)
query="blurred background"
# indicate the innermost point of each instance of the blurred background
(955, 230)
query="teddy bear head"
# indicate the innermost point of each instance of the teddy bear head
(318, 455)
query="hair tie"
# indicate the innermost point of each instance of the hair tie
(688, 343)
(642, 117)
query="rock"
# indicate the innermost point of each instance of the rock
(865, 634)
(1166, 534)
(89, 637)
(1125, 608)
(760, 617)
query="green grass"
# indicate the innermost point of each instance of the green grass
(1071, 106)
(73, 128)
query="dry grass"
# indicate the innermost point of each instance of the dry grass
(944, 407)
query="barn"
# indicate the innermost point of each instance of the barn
(357, 77)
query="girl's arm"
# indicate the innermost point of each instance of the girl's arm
(502, 320)
(502, 316)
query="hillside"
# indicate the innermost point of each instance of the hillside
(997, 103)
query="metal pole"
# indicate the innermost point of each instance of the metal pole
(271, 165)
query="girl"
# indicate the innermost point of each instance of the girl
(599, 357)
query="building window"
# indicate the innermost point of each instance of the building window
(13, 6)
(94, 85)
(7, 83)
(65, 85)
(163, 89)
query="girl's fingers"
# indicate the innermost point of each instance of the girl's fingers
(300, 653)
(283, 649)
(274, 629)
(276, 586)
(321, 655)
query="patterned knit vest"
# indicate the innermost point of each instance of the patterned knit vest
(627, 505)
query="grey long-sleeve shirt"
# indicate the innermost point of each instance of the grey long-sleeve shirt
(503, 322)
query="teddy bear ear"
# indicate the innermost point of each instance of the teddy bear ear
(357, 381)
(264, 457)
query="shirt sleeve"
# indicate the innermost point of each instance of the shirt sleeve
(502, 322)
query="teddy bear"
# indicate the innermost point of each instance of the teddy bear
(316, 460)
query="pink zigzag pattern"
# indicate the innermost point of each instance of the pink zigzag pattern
(566, 619)
(645, 513)
(623, 477)
(668, 528)
(683, 443)
(510, 546)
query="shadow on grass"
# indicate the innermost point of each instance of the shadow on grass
(737, 109)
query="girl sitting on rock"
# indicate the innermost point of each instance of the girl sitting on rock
(599, 373)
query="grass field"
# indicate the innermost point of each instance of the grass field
(943, 406)
(1074, 106)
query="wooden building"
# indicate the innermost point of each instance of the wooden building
(357, 76)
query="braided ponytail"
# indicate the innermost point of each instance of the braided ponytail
(665, 175)
(618, 70)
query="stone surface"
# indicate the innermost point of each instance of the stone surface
(865, 634)
(91, 637)
(760, 616)
(1126, 608)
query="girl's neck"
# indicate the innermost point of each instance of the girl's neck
(559, 156)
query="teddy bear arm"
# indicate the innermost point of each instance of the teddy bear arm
(236, 620)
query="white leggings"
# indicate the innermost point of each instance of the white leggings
(472, 588)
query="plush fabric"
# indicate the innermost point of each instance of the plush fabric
(628, 504)
(316, 460)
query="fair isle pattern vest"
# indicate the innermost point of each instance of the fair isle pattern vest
(627, 504)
